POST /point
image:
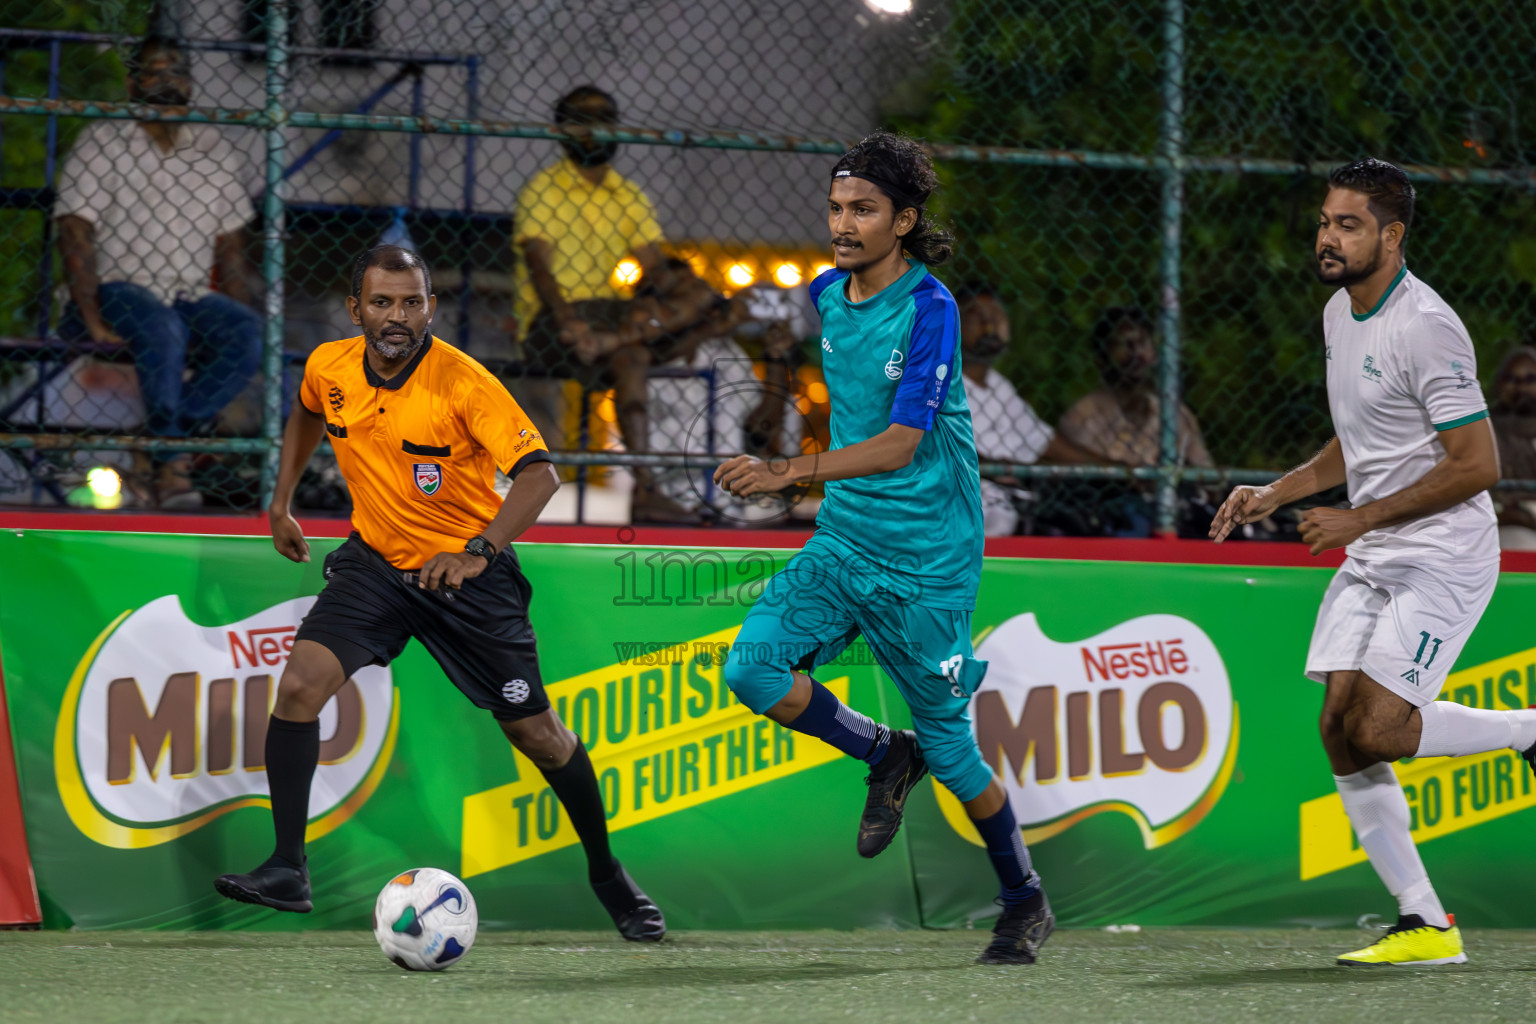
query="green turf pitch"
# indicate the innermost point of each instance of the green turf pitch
(741, 977)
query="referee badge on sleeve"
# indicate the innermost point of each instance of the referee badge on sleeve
(429, 477)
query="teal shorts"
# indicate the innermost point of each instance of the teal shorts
(819, 605)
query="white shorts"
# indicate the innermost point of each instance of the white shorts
(1401, 624)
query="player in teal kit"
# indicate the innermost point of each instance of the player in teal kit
(897, 551)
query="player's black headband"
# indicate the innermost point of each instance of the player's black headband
(898, 196)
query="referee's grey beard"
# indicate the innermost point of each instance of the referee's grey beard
(393, 350)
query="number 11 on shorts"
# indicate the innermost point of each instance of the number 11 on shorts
(1423, 643)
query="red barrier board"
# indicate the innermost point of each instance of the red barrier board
(1093, 549)
(18, 887)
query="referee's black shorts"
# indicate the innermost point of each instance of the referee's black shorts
(479, 634)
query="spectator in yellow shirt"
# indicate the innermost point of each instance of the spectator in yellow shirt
(575, 221)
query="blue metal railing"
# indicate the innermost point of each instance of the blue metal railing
(274, 207)
(1169, 162)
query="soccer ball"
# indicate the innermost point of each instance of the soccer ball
(425, 920)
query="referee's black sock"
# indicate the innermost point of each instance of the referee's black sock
(293, 751)
(575, 784)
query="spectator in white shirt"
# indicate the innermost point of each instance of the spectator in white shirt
(1006, 426)
(147, 212)
(733, 408)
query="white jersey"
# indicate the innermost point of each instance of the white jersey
(1397, 376)
(156, 214)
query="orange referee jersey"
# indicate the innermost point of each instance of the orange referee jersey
(418, 451)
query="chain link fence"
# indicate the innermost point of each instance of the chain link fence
(1133, 188)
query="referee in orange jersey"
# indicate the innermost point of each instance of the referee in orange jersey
(419, 429)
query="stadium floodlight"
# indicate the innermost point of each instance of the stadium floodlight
(627, 273)
(786, 275)
(740, 275)
(890, 6)
(104, 482)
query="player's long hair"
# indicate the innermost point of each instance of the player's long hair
(898, 166)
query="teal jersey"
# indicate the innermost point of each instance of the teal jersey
(895, 358)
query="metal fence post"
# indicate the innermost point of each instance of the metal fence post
(1170, 145)
(272, 260)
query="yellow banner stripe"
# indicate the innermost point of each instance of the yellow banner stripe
(1445, 794)
(669, 758)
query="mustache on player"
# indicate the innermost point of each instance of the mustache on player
(849, 242)
(1331, 254)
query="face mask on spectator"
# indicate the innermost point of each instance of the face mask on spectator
(166, 94)
(165, 86)
(588, 153)
(988, 346)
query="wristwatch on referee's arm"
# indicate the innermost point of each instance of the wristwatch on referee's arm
(482, 547)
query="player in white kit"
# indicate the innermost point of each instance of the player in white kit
(1415, 447)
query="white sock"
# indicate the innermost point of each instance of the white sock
(1453, 730)
(1377, 809)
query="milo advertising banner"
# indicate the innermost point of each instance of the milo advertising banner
(1150, 723)
(140, 671)
(131, 777)
(1159, 743)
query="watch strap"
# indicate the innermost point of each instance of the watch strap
(484, 548)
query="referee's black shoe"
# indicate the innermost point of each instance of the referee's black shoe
(889, 782)
(276, 884)
(634, 914)
(1020, 932)
(1529, 754)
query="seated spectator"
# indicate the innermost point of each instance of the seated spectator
(673, 313)
(575, 221)
(1006, 426)
(733, 409)
(1123, 419)
(1514, 426)
(673, 309)
(147, 211)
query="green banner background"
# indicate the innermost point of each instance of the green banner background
(1239, 866)
(778, 855)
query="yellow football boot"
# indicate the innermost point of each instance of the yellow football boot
(1411, 943)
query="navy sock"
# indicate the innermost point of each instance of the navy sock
(835, 723)
(1010, 858)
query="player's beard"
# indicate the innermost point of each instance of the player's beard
(393, 346)
(1347, 275)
